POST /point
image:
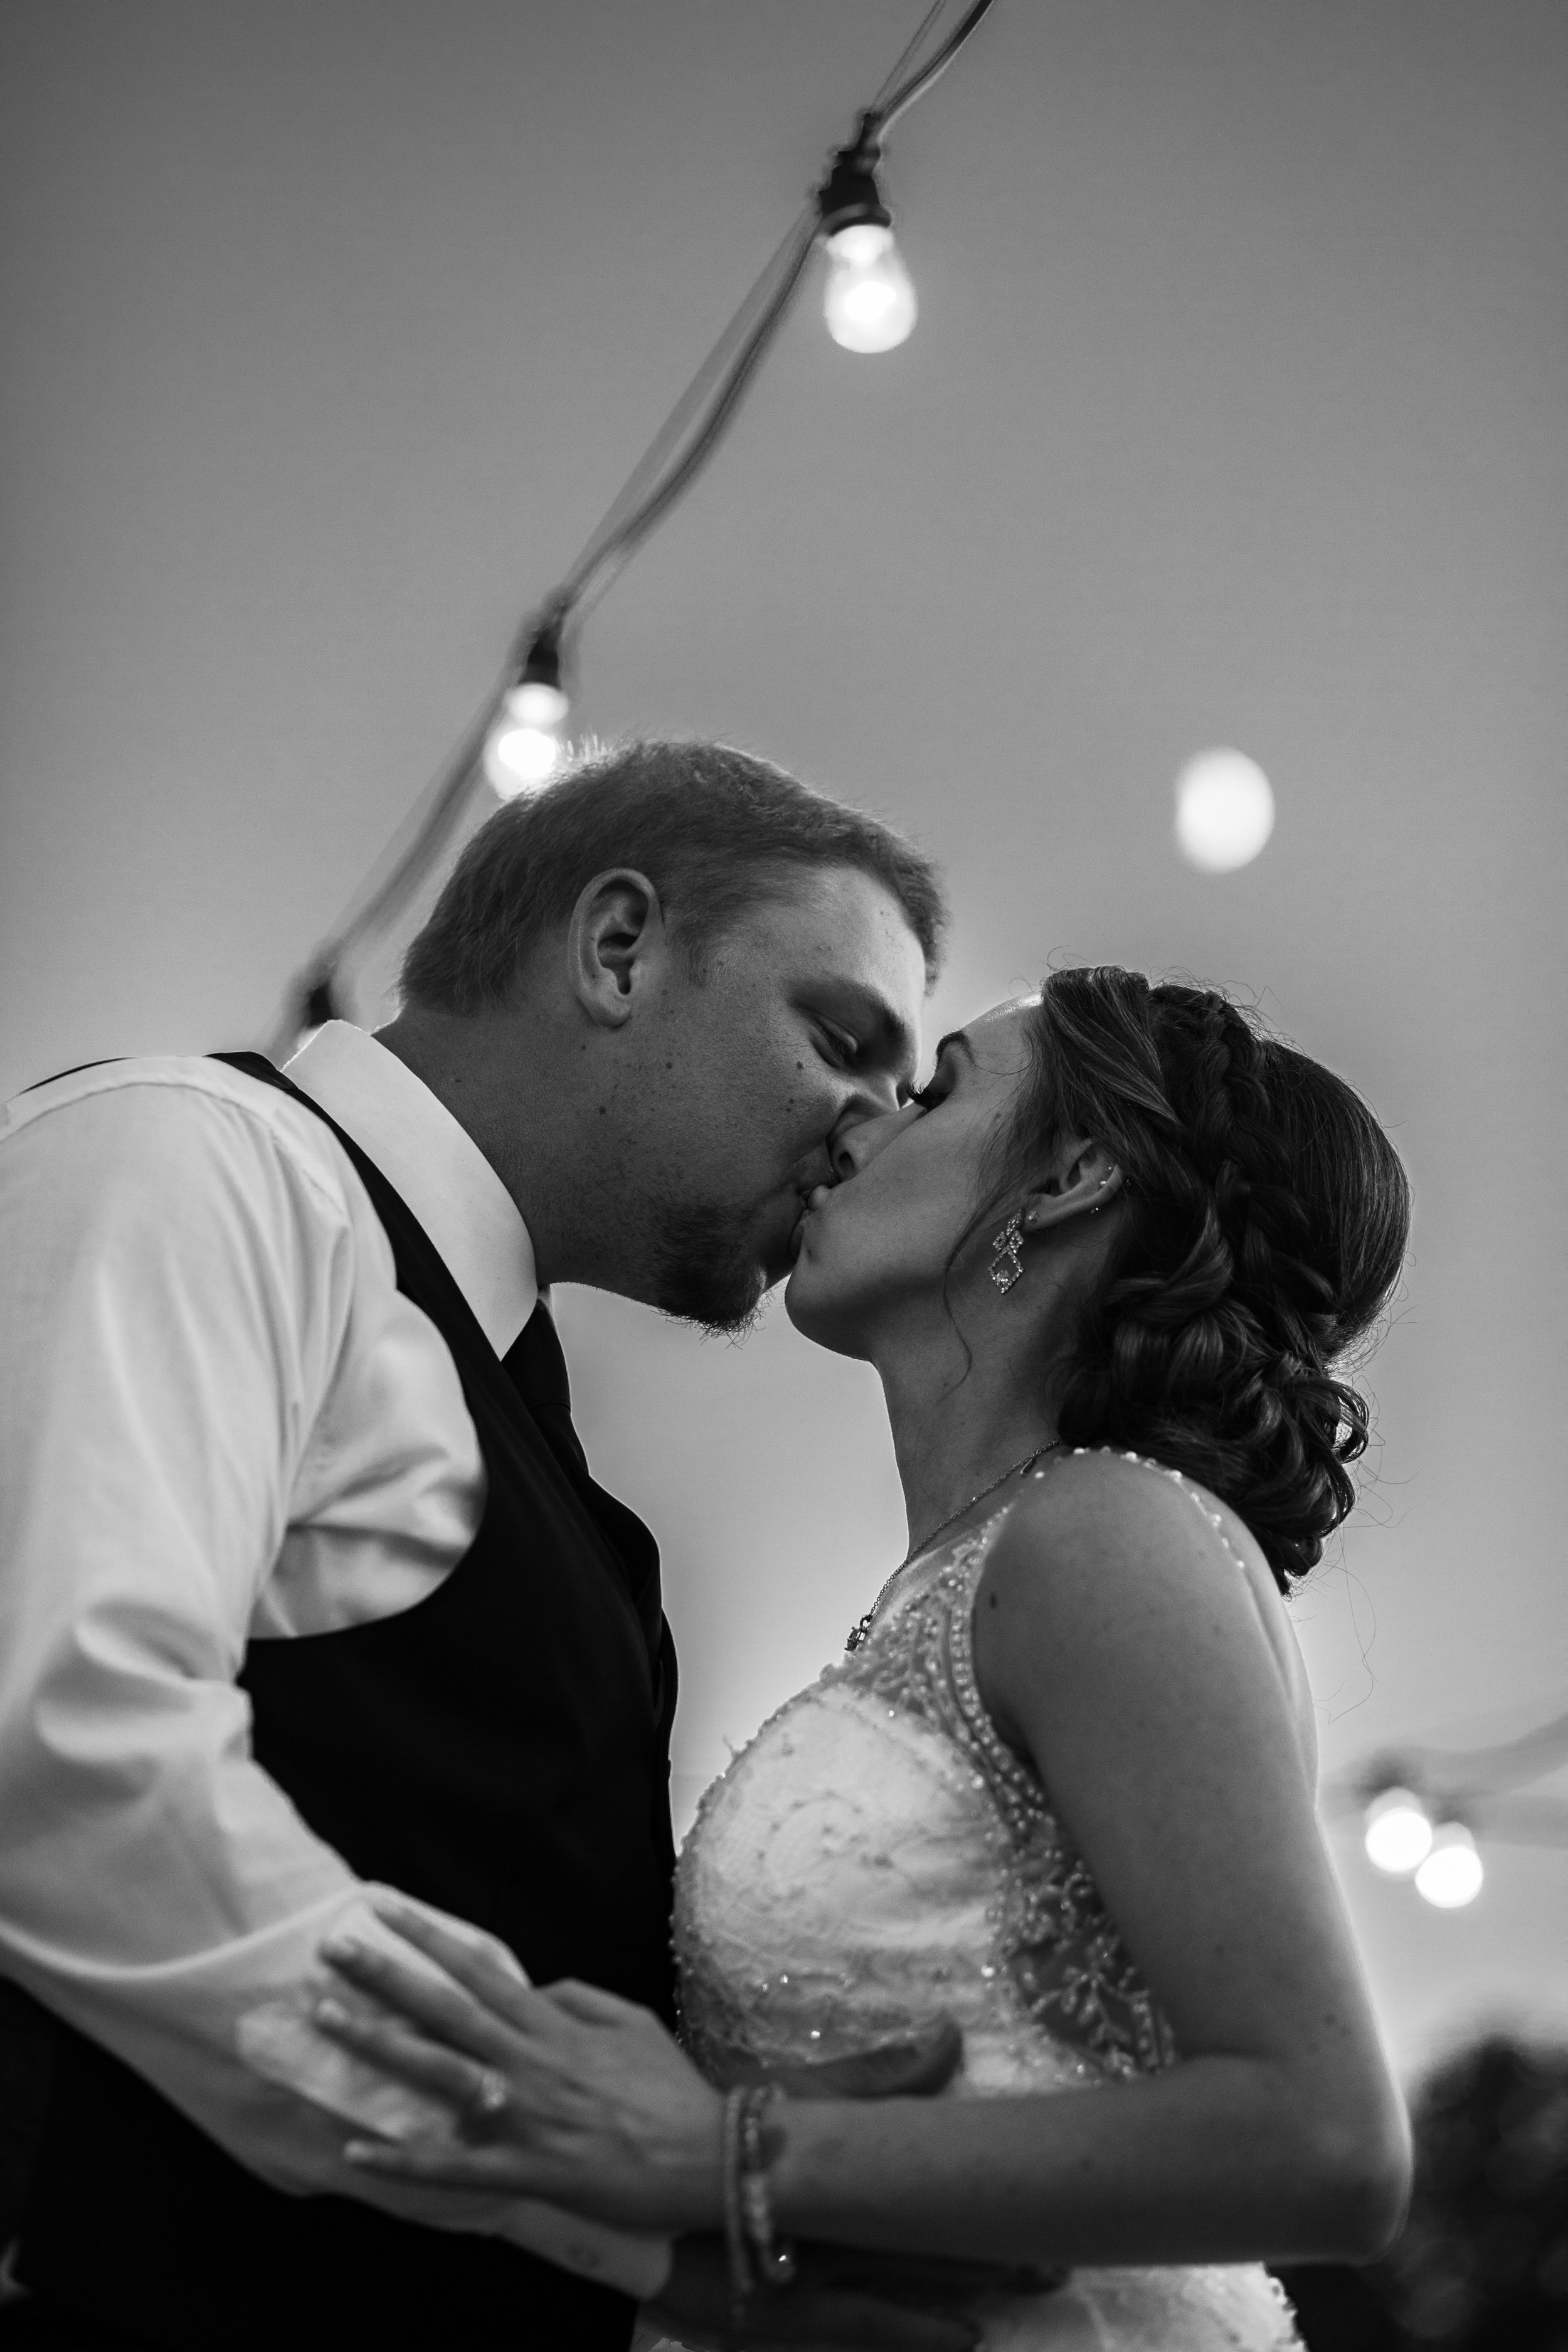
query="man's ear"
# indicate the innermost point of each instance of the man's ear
(1082, 1177)
(616, 943)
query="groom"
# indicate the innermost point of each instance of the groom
(304, 1581)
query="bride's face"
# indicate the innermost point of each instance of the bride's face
(873, 1247)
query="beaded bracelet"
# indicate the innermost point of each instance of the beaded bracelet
(774, 2258)
(734, 2224)
(756, 2257)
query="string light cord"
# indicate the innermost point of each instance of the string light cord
(1504, 1820)
(315, 996)
(910, 50)
(1505, 1762)
(891, 103)
(709, 403)
(1501, 1764)
(1500, 1821)
(682, 447)
(1478, 1786)
(700, 420)
(704, 413)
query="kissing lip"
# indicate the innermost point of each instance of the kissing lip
(811, 1199)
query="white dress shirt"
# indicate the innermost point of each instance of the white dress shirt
(219, 1420)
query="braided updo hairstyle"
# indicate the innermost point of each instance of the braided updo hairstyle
(1263, 1222)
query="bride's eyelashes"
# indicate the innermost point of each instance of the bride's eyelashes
(937, 1087)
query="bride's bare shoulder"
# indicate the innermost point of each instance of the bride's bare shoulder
(1114, 1510)
(1113, 1556)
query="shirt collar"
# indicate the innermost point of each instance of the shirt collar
(435, 1164)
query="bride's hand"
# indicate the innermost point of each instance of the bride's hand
(570, 2094)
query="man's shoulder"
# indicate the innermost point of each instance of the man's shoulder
(191, 1087)
(190, 1110)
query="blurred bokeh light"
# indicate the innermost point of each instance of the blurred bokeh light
(1224, 811)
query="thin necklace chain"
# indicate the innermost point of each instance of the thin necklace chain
(858, 1631)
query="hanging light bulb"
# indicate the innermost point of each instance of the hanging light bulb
(524, 744)
(1451, 1874)
(1398, 1834)
(869, 303)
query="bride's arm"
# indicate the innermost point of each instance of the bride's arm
(1117, 1644)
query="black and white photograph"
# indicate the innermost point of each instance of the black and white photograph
(784, 829)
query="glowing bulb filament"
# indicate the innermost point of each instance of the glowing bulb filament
(524, 745)
(869, 303)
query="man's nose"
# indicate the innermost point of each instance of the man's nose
(857, 1139)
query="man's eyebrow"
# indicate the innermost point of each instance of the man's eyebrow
(954, 1037)
(899, 1047)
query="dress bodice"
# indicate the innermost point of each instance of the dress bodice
(877, 1855)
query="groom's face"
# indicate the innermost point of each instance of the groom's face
(804, 1025)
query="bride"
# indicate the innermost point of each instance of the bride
(1059, 1793)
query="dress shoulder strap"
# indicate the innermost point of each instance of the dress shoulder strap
(1195, 1494)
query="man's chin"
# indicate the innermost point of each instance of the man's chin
(721, 1313)
(715, 1269)
(721, 1296)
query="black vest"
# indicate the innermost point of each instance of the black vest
(500, 1750)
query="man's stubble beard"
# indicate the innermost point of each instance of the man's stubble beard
(705, 1266)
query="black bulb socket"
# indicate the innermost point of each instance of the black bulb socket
(541, 663)
(850, 194)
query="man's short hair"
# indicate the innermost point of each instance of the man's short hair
(715, 831)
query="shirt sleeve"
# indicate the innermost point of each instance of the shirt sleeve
(176, 1274)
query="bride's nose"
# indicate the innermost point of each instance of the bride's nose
(855, 1144)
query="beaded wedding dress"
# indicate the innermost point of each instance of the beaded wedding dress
(876, 1855)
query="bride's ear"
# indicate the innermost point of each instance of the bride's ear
(1082, 1180)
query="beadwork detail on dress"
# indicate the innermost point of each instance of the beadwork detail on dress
(1052, 1932)
(877, 1855)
